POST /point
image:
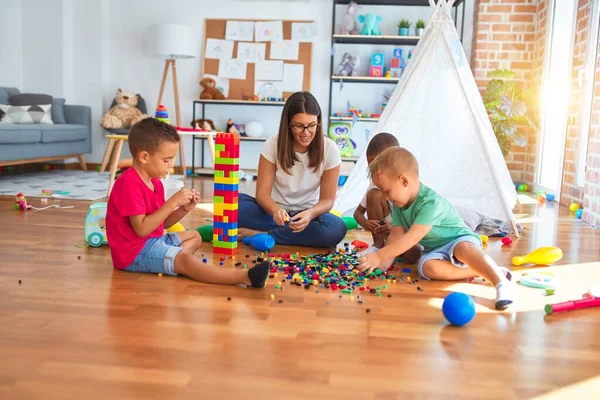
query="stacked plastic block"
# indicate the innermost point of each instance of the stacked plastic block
(397, 64)
(162, 114)
(227, 167)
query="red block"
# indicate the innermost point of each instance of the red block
(226, 167)
(226, 193)
(223, 250)
(395, 63)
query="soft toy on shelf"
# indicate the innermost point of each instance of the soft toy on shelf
(210, 91)
(349, 65)
(231, 127)
(125, 113)
(349, 26)
(371, 24)
(206, 124)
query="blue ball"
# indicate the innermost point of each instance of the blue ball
(550, 197)
(458, 308)
(578, 213)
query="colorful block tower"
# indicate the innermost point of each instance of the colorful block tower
(162, 114)
(397, 64)
(377, 65)
(227, 167)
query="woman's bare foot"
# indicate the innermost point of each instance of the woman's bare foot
(243, 232)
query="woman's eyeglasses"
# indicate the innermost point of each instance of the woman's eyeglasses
(299, 128)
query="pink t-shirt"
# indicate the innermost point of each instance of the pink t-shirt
(130, 196)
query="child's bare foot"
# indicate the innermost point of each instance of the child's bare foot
(244, 232)
(258, 275)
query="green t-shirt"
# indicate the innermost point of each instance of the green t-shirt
(429, 208)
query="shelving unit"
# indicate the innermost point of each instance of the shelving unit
(392, 40)
(204, 103)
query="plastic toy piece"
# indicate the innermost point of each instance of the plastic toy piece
(540, 256)
(572, 305)
(225, 195)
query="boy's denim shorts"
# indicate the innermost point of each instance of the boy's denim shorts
(446, 252)
(158, 255)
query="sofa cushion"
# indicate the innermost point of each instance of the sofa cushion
(39, 114)
(64, 133)
(33, 99)
(6, 93)
(20, 134)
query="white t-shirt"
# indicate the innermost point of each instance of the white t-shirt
(300, 189)
(363, 202)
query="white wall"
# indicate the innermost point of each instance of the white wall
(11, 55)
(87, 49)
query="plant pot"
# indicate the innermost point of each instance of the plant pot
(403, 31)
(419, 31)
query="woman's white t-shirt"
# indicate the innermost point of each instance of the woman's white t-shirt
(299, 189)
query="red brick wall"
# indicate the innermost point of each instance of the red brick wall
(591, 199)
(570, 192)
(504, 37)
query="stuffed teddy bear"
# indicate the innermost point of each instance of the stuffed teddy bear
(348, 65)
(371, 24)
(124, 114)
(210, 91)
(206, 124)
(349, 25)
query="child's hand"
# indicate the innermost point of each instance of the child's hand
(384, 229)
(369, 262)
(193, 202)
(372, 225)
(183, 197)
(301, 221)
(281, 217)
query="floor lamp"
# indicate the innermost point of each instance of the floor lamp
(172, 42)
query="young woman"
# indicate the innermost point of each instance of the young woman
(297, 181)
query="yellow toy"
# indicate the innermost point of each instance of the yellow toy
(336, 212)
(484, 238)
(573, 207)
(176, 228)
(540, 256)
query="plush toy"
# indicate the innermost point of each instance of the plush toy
(349, 65)
(125, 113)
(349, 25)
(210, 90)
(206, 124)
(231, 127)
(371, 24)
(340, 133)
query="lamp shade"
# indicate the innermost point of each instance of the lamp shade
(171, 41)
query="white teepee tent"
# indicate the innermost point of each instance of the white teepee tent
(437, 113)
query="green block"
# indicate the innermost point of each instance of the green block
(228, 161)
(218, 199)
(225, 245)
(219, 147)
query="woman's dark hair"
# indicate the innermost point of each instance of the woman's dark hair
(300, 103)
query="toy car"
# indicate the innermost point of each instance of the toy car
(95, 226)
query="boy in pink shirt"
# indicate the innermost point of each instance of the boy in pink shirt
(137, 214)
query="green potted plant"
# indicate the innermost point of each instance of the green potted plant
(403, 27)
(419, 27)
(506, 103)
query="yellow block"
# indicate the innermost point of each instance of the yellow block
(215, 237)
(230, 180)
(232, 232)
(225, 218)
(219, 207)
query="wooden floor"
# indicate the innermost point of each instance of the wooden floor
(75, 328)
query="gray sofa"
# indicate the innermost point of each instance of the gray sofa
(27, 143)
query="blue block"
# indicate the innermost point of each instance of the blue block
(225, 225)
(220, 238)
(377, 59)
(219, 186)
(232, 239)
(397, 53)
(226, 186)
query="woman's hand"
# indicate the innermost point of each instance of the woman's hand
(301, 221)
(281, 217)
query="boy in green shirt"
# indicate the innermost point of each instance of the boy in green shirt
(419, 215)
